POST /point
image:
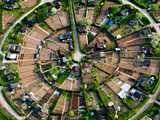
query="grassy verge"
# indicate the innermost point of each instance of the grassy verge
(105, 99)
(5, 116)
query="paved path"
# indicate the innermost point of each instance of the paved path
(77, 55)
(19, 20)
(7, 106)
(157, 102)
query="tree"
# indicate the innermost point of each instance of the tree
(157, 51)
(156, 44)
(142, 3)
(53, 11)
(71, 113)
(90, 37)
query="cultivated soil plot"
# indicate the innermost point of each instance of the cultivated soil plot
(45, 54)
(28, 3)
(61, 105)
(90, 13)
(83, 39)
(80, 14)
(7, 19)
(75, 102)
(71, 85)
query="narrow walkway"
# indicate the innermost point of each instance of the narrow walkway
(77, 56)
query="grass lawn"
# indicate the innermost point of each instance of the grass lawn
(88, 99)
(54, 70)
(45, 27)
(16, 13)
(130, 102)
(62, 77)
(4, 81)
(105, 99)
(13, 68)
(5, 116)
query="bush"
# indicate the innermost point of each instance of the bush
(157, 51)
(90, 37)
(142, 3)
(98, 7)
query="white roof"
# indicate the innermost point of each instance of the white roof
(54, 76)
(125, 87)
(122, 94)
(133, 90)
(12, 56)
(119, 36)
(56, 93)
(117, 49)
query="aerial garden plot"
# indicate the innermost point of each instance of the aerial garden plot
(79, 60)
